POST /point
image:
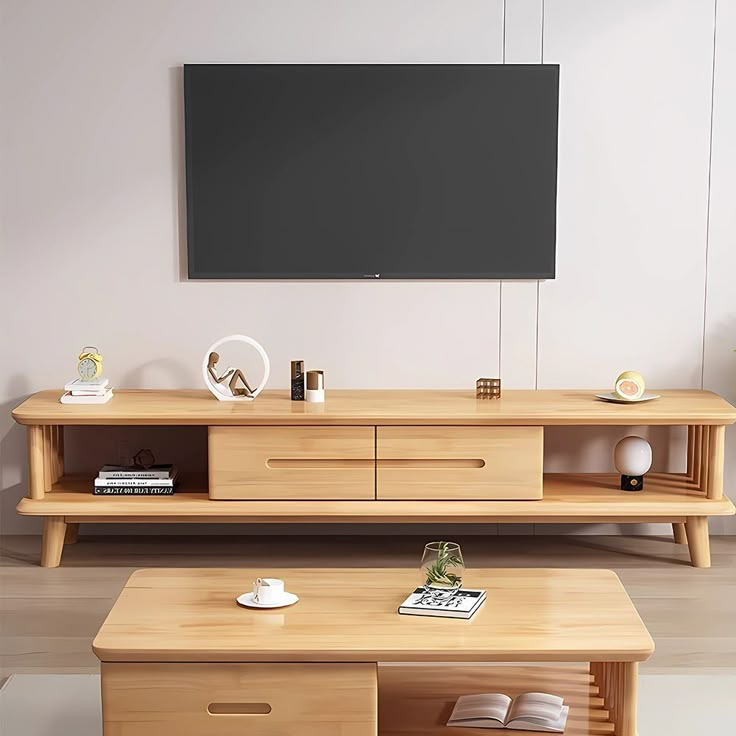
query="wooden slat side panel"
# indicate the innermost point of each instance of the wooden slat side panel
(459, 463)
(705, 460)
(48, 457)
(300, 463)
(698, 455)
(618, 683)
(716, 462)
(148, 699)
(36, 462)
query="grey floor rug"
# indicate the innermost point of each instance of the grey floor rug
(670, 705)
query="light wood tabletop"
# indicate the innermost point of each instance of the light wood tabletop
(350, 615)
(371, 407)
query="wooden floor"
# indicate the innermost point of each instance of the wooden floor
(48, 617)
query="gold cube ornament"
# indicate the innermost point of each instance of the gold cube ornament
(488, 388)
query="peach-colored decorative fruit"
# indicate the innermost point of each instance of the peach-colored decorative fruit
(629, 386)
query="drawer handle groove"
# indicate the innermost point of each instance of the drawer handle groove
(308, 463)
(238, 709)
(459, 462)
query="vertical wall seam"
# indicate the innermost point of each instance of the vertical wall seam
(536, 339)
(536, 344)
(500, 283)
(500, 324)
(503, 32)
(541, 53)
(536, 332)
(707, 209)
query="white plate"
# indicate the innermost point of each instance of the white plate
(288, 599)
(616, 400)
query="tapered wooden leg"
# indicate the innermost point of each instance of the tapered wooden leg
(72, 534)
(698, 540)
(680, 535)
(54, 530)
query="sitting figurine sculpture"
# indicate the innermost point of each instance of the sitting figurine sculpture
(231, 375)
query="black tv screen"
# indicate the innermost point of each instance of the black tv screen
(392, 171)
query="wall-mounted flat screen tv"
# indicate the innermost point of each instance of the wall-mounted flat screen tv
(354, 171)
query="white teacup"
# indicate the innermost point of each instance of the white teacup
(268, 590)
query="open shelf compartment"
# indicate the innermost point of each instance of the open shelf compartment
(418, 698)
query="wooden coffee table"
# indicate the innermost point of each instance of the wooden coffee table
(180, 656)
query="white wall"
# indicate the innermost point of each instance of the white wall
(91, 218)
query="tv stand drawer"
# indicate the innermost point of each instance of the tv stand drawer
(297, 463)
(459, 463)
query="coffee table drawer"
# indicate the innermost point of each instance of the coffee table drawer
(294, 463)
(140, 699)
(459, 463)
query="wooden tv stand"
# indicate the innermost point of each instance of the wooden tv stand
(382, 456)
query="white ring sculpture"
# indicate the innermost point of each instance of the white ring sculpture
(220, 390)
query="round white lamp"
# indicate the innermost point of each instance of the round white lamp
(633, 458)
(219, 383)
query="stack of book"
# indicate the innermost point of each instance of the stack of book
(124, 480)
(96, 391)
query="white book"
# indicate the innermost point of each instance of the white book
(91, 392)
(460, 603)
(527, 712)
(67, 398)
(135, 482)
(96, 384)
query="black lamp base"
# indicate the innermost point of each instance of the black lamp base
(632, 482)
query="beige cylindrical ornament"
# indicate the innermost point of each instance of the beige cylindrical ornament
(315, 392)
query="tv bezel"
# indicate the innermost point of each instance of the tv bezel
(378, 276)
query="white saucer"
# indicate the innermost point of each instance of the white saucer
(288, 599)
(616, 400)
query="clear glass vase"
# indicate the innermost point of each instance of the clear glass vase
(442, 566)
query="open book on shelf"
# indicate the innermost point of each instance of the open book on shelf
(526, 712)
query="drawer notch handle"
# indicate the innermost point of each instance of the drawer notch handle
(323, 463)
(434, 462)
(239, 709)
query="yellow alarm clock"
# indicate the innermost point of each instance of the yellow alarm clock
(90, 363)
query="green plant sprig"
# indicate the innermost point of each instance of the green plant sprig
(439, 572)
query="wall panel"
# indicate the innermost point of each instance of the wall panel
(632, 202)
(720, 323)
(633, 188)
(93, 174)
(518, 323)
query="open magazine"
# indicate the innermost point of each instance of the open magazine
(527, 712)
